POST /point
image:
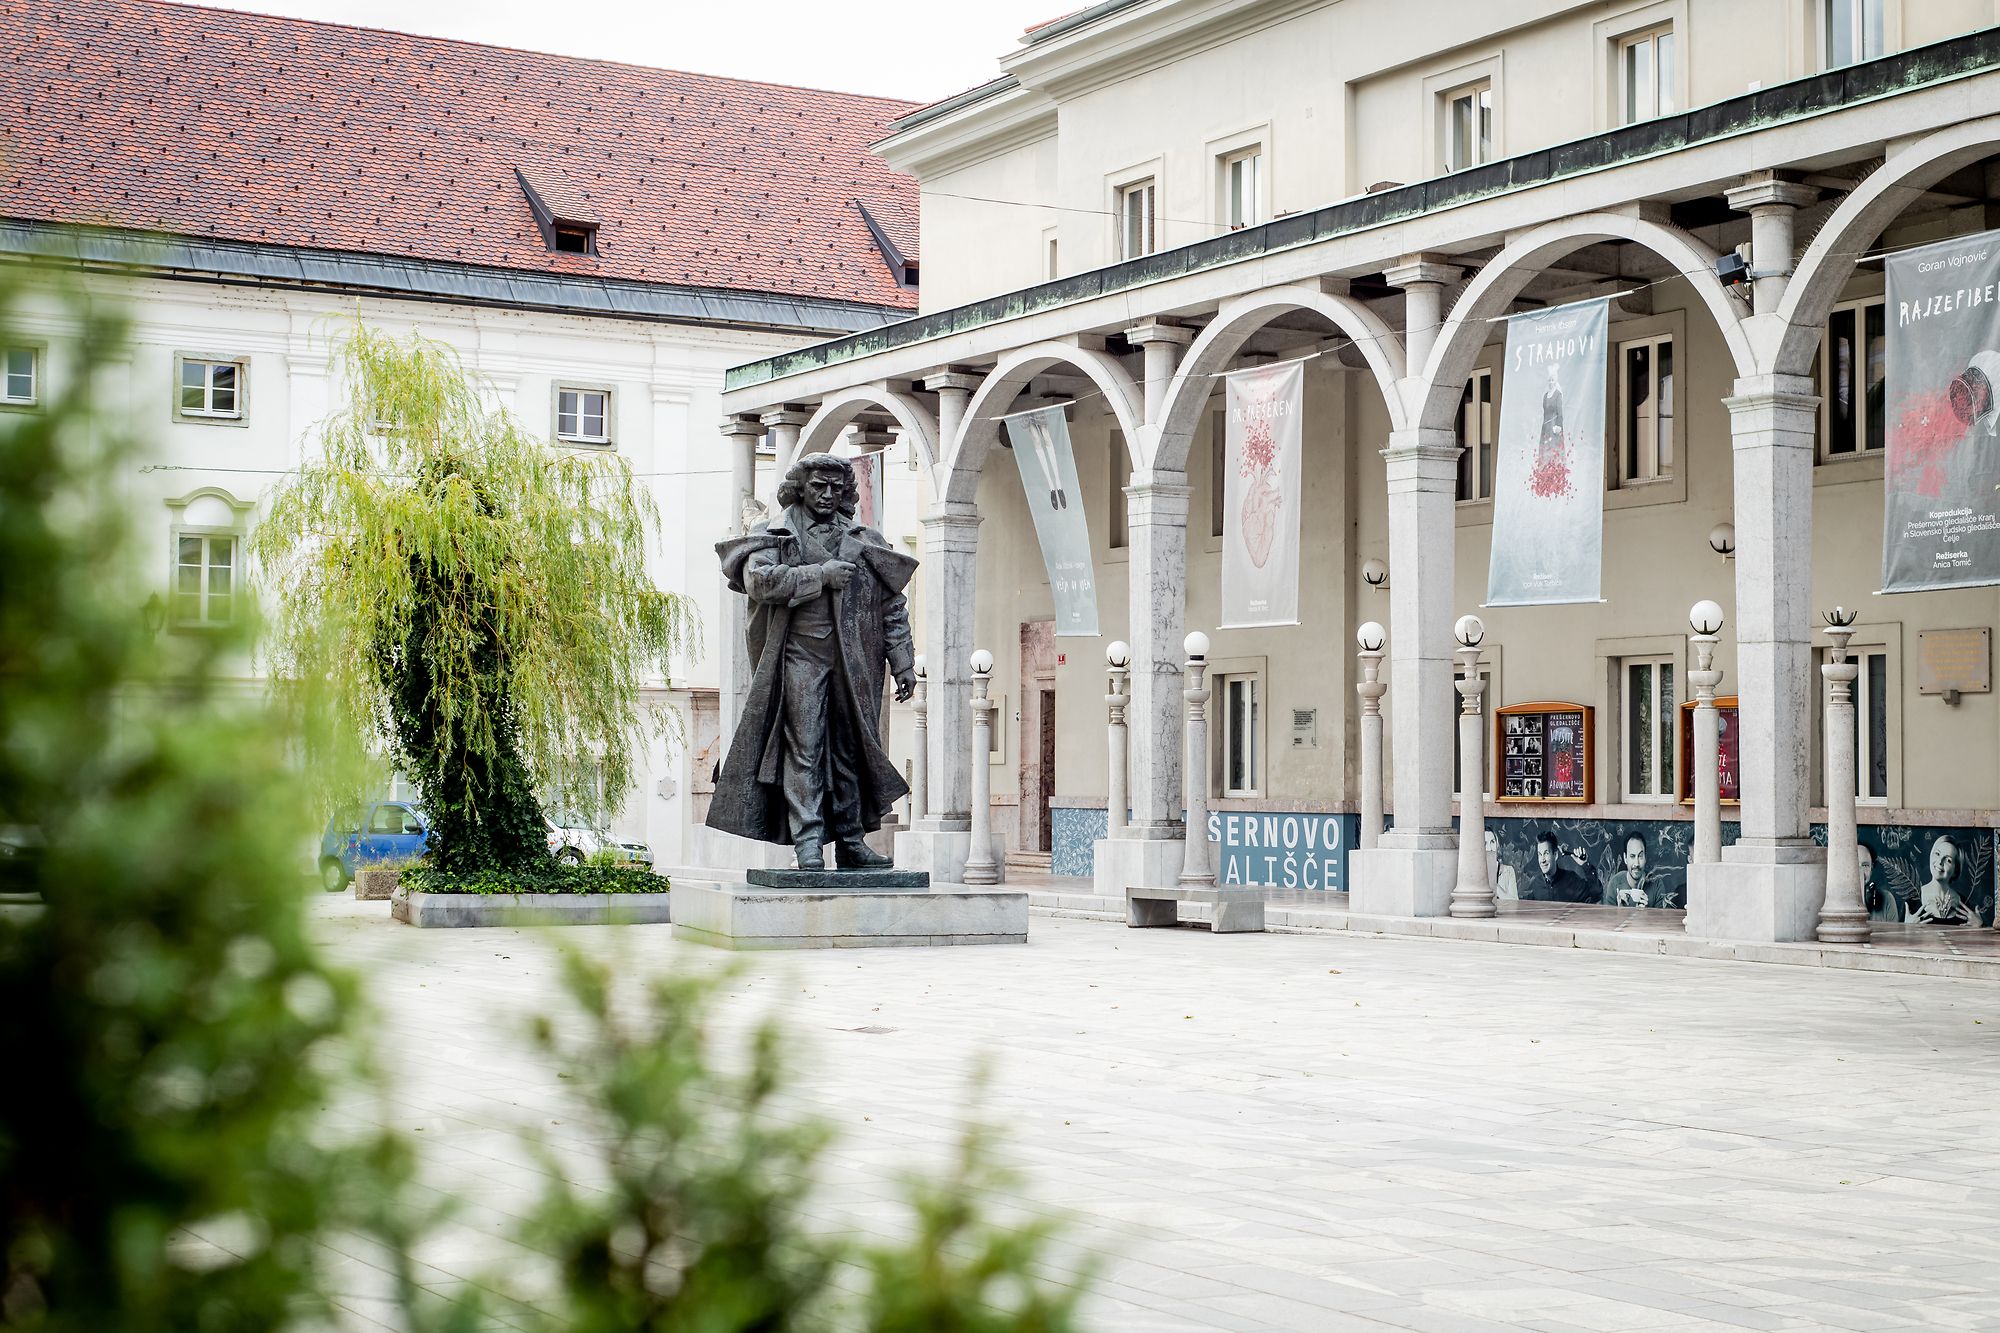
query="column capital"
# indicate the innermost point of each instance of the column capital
(1769, 189)
(870, 439)
(791, 414)
(1431, 442)
(738, 427)
(949, 514)
(1159, 331)
(953, 379)
(1413, 270)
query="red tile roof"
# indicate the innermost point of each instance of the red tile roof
(217, 123)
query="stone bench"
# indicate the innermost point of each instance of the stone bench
(1232, 909)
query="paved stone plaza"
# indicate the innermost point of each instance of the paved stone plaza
(1320, 1132)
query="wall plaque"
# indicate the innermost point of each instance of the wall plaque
(1542, 752)
(1955, 661)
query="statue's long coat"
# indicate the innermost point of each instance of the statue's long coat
(873, 625)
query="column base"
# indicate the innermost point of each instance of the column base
(1119, 864)
(1773, 899)
(941, 852)
(1403, 875)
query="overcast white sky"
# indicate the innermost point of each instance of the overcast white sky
(917, 49)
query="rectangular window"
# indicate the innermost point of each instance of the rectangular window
(1646, 410)
(211, 389)
(1468, 126)
(18, 380)
(1051, 265)
(1854, 31)
(1241, 189)
(205, 580)
(1241, 719)
(1475, 438)
(1646, 77)
(1120, 478)
(1871, 727)
(1138, 228)
(1648, 728)
(583, 416)
(1853, 367)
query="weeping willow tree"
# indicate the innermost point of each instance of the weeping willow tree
(455, 594)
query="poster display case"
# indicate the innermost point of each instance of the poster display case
(1726, 749)
(1542, 753)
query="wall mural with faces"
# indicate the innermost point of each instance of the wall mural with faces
(1925, 876)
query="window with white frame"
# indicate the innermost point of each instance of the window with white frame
(20, 378)
(583, 416)
(1647, 727)
(1871, 724)
(1242, 758)
(1138, 227)
(1853, 367)
(205, 578)
(1646, 75)
(210, 389)
(1242, 188)
(1853, 30)
(1468, 126)
(1646, 410)
(1476, 438)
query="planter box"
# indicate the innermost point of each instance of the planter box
(375, 884)
(529, 909)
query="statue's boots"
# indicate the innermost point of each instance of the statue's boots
(858, 855)
(811, 855)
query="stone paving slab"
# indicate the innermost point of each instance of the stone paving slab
(1308, 1131)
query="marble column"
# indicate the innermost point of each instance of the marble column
(954, 389)
(980, 865)
(1843, 919)
(785, 424)
(1117, 801)
(938, 839)
(920, 750)
(1472, 896)
(1197, 866)
(1161, 342)
(1770, 884)
(1410, 872)
(1370, 688)
(1423, 279)
(1772, 203)
(1706, 619)
(1148, 850)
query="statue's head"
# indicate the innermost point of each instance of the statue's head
(824, 484)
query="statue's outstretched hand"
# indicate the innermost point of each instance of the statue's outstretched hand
(906, 685)
(836, 573)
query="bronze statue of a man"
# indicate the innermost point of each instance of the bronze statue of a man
(806, 765)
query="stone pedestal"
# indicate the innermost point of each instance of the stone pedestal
(937, 849)
(711, 847)
(1121, 863)
(1403, 875)
(1760, 893)
(747, 916)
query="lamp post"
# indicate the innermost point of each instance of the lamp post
(1372, 637)
(920, 761)
(980, 867)
(1472, 896)
(1118, 658)
(1197, 868)
(1843, 917)
(1705, 619)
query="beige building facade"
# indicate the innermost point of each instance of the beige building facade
(1155, 193)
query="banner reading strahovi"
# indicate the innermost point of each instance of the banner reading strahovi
(1048, 476)
(1548, 487)
(1940, 511)
(1260, 499)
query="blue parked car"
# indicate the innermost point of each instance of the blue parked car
(383, 831)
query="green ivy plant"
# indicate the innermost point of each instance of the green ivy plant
(452, 591)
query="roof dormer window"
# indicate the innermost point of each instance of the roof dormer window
(563, 214)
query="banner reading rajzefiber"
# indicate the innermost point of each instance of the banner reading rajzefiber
(1048, 475)
(1260, 497)
(1548, 487)
(1940, 511)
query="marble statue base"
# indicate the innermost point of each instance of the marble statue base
(838, 881)
(838, 914)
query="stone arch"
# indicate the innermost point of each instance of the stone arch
(1234, 323)
(838, 410)
(980, 430)
(1436, 394)
(1823, 271)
